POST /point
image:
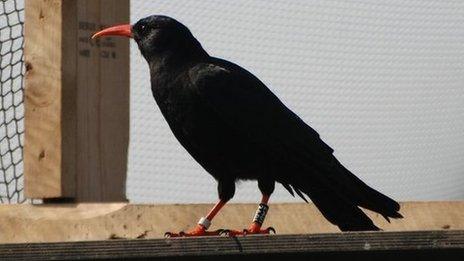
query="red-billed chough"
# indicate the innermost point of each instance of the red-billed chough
(237, 129)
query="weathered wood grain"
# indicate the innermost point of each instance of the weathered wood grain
(77, 101)
(431, 245)
(44, 91)
(76, 222)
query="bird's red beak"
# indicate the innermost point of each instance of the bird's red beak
(121, 30)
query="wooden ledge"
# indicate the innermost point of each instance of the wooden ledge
(81, 222)
(445, 245)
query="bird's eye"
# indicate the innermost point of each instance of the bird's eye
(143, 28)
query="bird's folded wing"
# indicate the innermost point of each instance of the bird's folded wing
(248, 106)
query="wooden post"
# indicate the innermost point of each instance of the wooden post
(76, 101)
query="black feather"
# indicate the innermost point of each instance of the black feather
(288, 188)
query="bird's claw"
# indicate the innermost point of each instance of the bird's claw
(224, 232)
(233, 233)
(269, 230)
(260, 231)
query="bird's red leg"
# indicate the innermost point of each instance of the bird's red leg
(203, 224)
(255, 227)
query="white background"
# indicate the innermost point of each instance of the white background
(381, 81)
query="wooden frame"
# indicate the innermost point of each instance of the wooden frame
(76, 101)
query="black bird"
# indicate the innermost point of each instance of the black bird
(237, 129)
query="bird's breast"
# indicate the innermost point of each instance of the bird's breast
(208, 138)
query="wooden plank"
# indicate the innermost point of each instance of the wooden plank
(340, 246)
(68, 112)
(103, 100)
(43, 96)
(114, 84)
(77, 101)
(77, 222)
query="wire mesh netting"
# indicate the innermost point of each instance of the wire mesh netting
(11, 101)
(381, 82)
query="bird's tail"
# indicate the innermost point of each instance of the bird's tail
(364, 196)
(344, 214)
(341, 196)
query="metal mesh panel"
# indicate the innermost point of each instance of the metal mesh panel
(381, 81)
(11, 101)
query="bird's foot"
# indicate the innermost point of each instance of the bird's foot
(254, 229)
(198, 231)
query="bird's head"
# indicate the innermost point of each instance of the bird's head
(158, 37)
